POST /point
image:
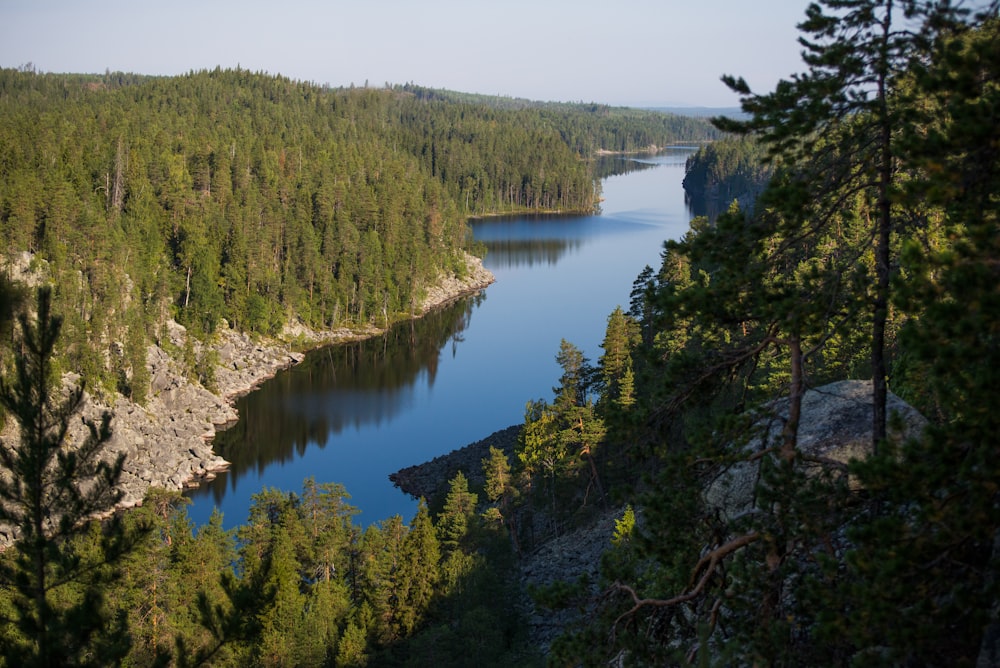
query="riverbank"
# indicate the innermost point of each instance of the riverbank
(167, 442)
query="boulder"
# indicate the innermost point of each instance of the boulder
(835, 427)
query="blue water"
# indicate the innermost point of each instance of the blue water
(355, 415)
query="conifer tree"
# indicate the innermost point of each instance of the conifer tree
(500, 490)
(936, 601)
(49, 489)
(458, 513)
(836, 127)
(419, 569)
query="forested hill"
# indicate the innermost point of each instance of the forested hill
(256, 198)
(590, 127)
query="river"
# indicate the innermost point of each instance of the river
(355, 413)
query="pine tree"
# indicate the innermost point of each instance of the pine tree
(500, 490)
(620, 338)
(836, 126)
(419, 570)
(936, 601)
(49, 490)
(458, 513)
(576, 377)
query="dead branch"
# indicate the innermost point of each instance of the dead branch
(700, 576)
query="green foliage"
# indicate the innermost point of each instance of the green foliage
(938, 494)
(256, 198)
(299, 584)
(730, 169)
(900, 567)
(624, 527)
(455, 520)
(51, 489)
(588, 127)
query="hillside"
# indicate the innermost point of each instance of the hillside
(260, 201)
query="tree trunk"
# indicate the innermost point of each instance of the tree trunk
(882, 266)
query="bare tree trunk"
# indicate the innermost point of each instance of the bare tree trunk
(118, 186)
(881, 310)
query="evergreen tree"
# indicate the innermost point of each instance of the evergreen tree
(837, 126)
(620, 338)
(500, 490)
(279, 624)
(539, 450)
(456, 516)
(420, 570)
(50, 489)
(574, 384)
(936, 601)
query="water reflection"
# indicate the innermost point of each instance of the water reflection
(617, 165)
(356, 413)
(710, 208)
(527, 241)
(351, 386)
(530, 240)
(512, 253)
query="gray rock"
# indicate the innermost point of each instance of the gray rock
(835, 426)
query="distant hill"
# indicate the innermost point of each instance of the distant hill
(702, 112)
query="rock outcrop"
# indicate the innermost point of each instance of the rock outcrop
(571, 557)
(167, 442)
(835, 427)
(449, 287)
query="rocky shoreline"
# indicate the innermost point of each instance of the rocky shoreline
(167, 442)
(429, 480)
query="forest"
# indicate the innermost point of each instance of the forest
(869, 254)
(254, 200)
(727, 170)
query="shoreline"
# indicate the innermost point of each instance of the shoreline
(430, 480)
(167, 442)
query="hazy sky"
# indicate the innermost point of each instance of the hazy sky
(621, 52)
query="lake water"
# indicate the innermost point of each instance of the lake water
(355, 413)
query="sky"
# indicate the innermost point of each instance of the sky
(618, 52)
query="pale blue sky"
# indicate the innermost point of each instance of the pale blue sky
(621, 52)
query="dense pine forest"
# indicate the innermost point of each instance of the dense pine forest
(870, 255)
(257, 200)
